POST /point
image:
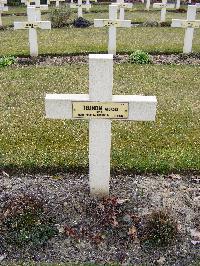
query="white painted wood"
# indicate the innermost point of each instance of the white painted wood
(141, 108)
(112, 23)
(88, 4)
(163, 6)
(178, 4)
(148, 3)
(2, 9)
(80, 9)
(100, 89)
(122, 6)
(189, 24)
(32, 24)
(38, 9)
(57, 2)
(191, 15)
(80, 6)
(112, 30)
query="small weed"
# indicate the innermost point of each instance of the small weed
(24, 221)
(160, 229)
(60, 17)
(7, 61)
(140, 57)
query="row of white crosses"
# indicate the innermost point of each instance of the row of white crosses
(37, 5)
(121, 5)
(189, 24)
(3, 8)
(163, 6)
(32, 24)
(57, 2)
(100, 107)
(112, 23)
(157, 5)
(80, 6)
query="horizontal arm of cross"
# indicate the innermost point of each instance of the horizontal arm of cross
(140, 108)
(45, 25)
(107, 23)
(179, 23)
(82, 5)
(3, 8)
(160, 5)
(124, 5)
(4, 2)
(42, 7)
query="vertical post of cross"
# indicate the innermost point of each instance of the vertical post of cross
(38, 10)
(163, 11)
(100, 89)
(191, 15)
(2, 8)
(121, 10)
(87, 5)
(112, 30)
(148, 3)
(178, 4)
(80, 10)
(32, 32)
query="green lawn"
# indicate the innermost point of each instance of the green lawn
(90, 40)
(72, 40)
(29, 141)
(137, 14)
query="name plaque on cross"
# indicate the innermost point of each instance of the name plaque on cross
(190, 24)
(107, 110)
(108, 23)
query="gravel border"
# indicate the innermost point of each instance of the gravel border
(175, 59)
(67, 196)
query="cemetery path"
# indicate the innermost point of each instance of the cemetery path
(84, 234)
(189, 59)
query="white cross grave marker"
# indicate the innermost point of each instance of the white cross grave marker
(27, 2)
(189, 24)
(163, 6)
(57, 2)
(2, 9)
(38, 6)
(148, 3)
(100, 107)
(112, 23)
(121, 5)
(178, 4)
(87, 5)
(32, 24)
(80, 7)
(197, 5)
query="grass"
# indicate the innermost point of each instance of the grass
(30, 142)
(75, 41)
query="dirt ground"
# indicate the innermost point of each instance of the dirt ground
(68, 200)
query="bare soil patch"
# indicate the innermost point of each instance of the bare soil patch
(178, 59)
(83, 235)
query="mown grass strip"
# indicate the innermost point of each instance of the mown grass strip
(29, 141)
